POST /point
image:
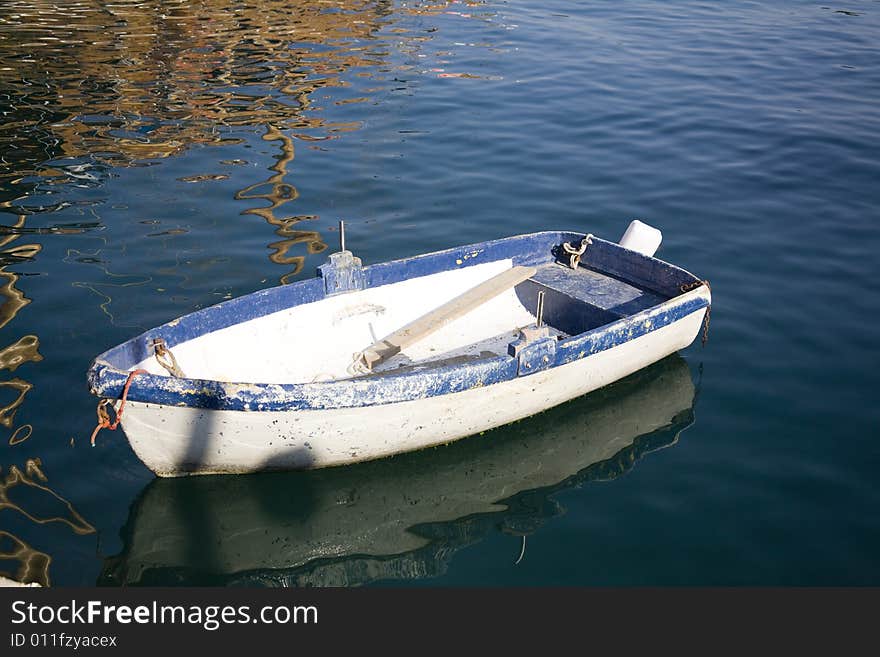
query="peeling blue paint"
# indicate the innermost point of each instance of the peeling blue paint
(109, 372)
(342, 273)
(624, 330)
(533, 355)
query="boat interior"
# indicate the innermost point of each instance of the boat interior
(323, 340)
(578, 300)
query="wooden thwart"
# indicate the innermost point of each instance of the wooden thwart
(393, 344)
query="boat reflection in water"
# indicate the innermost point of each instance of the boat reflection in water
(400, 518)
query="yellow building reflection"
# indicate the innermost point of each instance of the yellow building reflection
(87, 86)
(32, 565)
(89, 83)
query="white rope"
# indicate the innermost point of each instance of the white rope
(359, 365)
(576, 253)
(166, 359)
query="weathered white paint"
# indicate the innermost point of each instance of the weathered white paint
(320, 339)
(174, 441)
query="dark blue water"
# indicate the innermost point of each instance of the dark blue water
(160, 157)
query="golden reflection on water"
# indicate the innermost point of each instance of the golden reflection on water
(33, 564)
(34, 478)
(87, 86)
(7, 412)
(24, 351)
(13, 299)
(277, 193)
(146, 79)
(26, 348)
(86, 83)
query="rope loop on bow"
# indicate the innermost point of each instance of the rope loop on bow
(576, 253)
(104, 416)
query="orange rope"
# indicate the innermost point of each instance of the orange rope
(103, 417)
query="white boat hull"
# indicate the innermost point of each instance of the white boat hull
(175, 441)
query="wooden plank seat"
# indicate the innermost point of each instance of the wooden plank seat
(583, 299)
(420, 328)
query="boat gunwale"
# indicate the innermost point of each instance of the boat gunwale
(388, 387)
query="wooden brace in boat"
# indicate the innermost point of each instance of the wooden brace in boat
(420, 328)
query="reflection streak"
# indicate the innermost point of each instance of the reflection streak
(397, 518)
(87, 88)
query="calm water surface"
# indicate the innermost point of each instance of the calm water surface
(159, 157)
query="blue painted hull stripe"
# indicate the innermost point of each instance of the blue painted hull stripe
(379, 389)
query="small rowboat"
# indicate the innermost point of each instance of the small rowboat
(363, 362)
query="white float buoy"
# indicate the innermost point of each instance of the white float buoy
(641, 237)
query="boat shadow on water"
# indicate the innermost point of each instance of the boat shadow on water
(402, 517)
